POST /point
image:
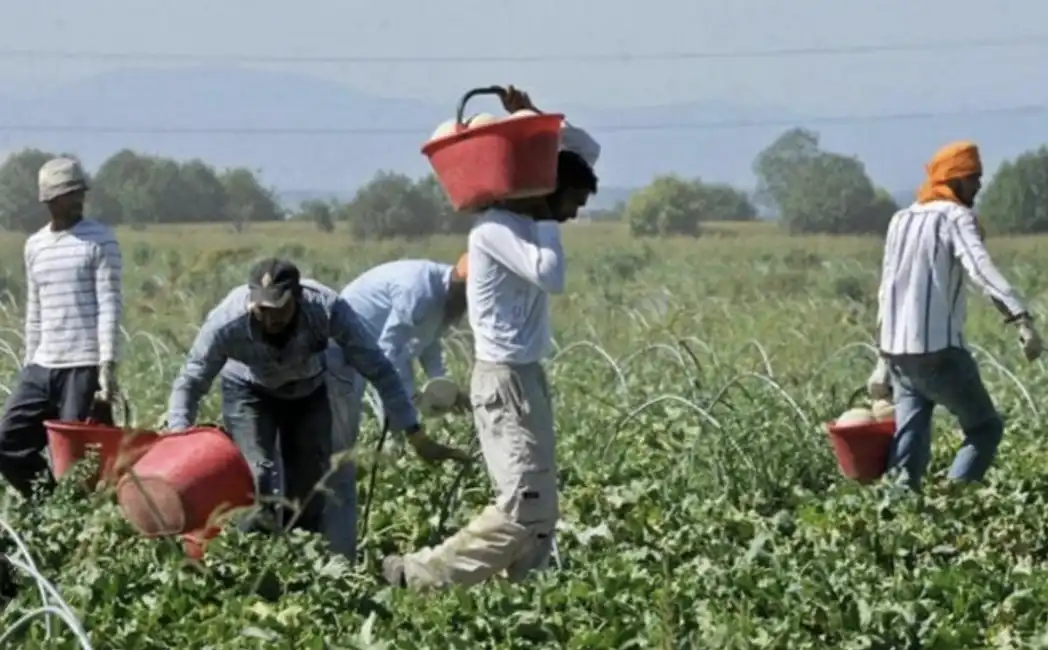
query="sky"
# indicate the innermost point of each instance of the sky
(61, 36)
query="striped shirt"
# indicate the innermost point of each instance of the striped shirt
(231, 342)
(515, 262)
(929, 249)
(74, 304)
(401, 304)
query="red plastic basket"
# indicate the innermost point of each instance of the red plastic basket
(189, 478)
(514, 158)
(862, 450)
(118, 447)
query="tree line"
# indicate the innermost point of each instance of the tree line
(807, 188)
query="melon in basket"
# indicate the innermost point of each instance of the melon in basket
(855, 417)
(480, 119)
(883, 410)
(445, 129)
(524, 112)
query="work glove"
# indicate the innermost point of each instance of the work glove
(433, 452)
(1029, 340)
(878, 386)
(107, 385)
(463, 403)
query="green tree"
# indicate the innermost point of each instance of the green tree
(246, 200)
(1015, 200)
(20, 207)
(816, 191)
(321, 213)
(723, 202)
(671, 205)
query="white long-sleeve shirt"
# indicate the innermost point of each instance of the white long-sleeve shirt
(514, 264)
(929, 249)
(74, 303)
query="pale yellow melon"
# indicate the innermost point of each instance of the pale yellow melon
(481, 119)
(855, 417)
(445, 129)
(883, 410)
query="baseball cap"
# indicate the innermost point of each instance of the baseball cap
(272, 283)
(60, 176)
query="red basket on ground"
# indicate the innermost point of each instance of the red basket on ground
(195, 543)
(118, 447)
(188, 478)
(862, 450)
(513, 158)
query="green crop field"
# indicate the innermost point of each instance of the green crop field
(702, 506)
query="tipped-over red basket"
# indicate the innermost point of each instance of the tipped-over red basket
(118, 447)
(862, 450)
(512, 158)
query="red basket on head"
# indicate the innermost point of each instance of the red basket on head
(118, 447)
(512, 158)
(862, 450)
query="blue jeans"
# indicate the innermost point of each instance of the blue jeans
(949, 378)
(256, 420)
(345, 392)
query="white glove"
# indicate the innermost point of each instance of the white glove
(108, 389)
(1029, 340)
(878, 386)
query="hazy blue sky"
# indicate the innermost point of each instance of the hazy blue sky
(951, 78)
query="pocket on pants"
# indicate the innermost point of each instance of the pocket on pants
(535, 503)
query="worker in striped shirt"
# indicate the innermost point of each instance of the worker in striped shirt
(74, 306)
(406, 306)
(930, 247)
(268, 340)
(516, 262)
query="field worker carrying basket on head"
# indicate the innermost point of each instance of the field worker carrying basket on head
(268, 339)
(74, 306)
(929, 249)
(515, 262)
(406, 306)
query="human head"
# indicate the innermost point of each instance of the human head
(455, 305)
(953, 174)
(274, 288)
(575, 183)
(62, 187)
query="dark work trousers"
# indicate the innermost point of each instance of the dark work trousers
(256, 420)
(43, 394)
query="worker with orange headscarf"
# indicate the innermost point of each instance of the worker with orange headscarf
(406, 306)
(930, 247)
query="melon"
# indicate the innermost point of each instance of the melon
(882, 409)
(855, 417)
(524, 112)
(445, 129)
(480, 119)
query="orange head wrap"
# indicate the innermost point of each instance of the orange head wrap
(955, 160)
(462, 267)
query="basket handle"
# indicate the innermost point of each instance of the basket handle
(859, 392)
(487, 90)
(102, 412)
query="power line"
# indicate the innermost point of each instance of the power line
(716, 125)
(475, 59)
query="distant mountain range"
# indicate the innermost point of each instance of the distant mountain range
(101, 113)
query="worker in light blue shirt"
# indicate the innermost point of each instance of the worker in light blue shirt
(406, 306)
(268, 340)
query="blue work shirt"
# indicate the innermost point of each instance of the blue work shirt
(402, 305)
(231, 342)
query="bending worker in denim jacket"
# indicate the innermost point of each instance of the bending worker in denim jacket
(406, 306)
(930, 247)
(268, 340)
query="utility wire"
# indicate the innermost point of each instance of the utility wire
(715, 125)
(476, 59)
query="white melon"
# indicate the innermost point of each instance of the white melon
(855, 417)
(883, 410)
(481, 119)
(445, 129)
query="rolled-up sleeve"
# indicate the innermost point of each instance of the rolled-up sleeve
(202, 365)
(362, 352)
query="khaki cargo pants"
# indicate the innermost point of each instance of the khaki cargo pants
(513, 413)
